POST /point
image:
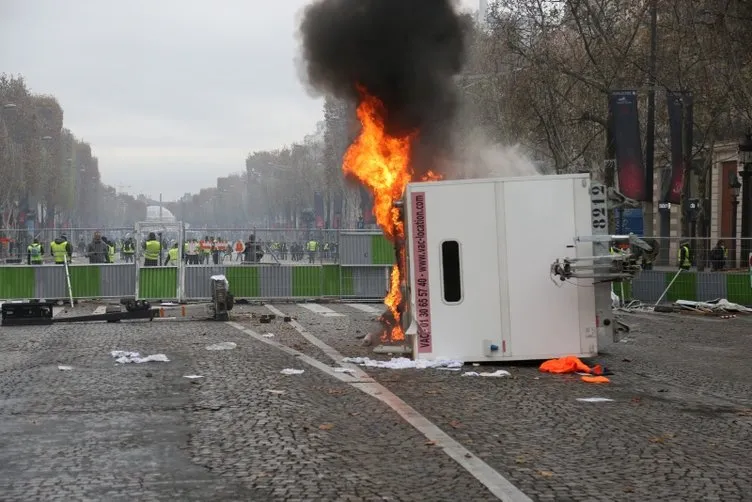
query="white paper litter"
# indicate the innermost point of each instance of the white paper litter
(594, 399)
(268, 335)
(193, 377)
(497, 373)
(290, 371)
(222, 346)
(402, 363)
(273, 391)
(344, 370)
(123, 356)
(64, 368)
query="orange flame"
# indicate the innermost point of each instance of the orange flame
(382, 164)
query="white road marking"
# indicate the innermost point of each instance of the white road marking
(497, 484)
(320, 309)
(100, 310)
(370, 309)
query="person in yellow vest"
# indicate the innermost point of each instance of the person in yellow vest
(685, 256)
(110, 250)
(173, 255)
(61, 250)
(34, 253)
(152, 251)
(312, 246)
(129, 249)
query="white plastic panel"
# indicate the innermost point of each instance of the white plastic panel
(465, 213)
(586, 293)
(540, 227)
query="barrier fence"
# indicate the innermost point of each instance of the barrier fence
(345, 264)
(354, 266)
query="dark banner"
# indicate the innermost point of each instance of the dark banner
(366, 206)
(339, 202)
(687, 127)
(625, 144)
(680, 138)
(318, 209)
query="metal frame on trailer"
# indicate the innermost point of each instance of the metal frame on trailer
(161, 228)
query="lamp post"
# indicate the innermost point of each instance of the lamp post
(745, 159)
(736, 187)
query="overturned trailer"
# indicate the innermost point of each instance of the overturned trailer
(511, 269)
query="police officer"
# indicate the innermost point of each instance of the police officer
(685, 256)
(34, 253)
(152, 251)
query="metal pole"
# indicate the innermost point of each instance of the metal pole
(734, 244)
(67, 278)
(668, 287)
(650, 132)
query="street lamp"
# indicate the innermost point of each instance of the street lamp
(745, 159)
(736, 187)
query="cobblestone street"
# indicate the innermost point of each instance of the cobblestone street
(678, 427)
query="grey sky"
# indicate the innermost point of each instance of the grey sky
(171, 94)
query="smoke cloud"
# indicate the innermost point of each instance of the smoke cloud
(404, 52)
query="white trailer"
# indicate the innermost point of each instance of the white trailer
(486, 278)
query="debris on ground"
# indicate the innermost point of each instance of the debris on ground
(497, 373)
(291, 371)
(64, 368)
(713, 307)
(402, 363)
(572, 364)
(268, 335)
(192, 377)
(222, 346)
(124, 356)
(595, 379)
(344, 370)
(594, 400)
(274, 391)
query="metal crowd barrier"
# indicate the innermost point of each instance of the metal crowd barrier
(736, 287)
(110, 281)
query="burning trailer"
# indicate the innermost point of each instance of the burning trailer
(510, 268)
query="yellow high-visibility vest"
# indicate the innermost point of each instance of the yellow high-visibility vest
(59, 251)
(152, 250)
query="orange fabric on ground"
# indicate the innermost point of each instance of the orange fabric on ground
(568, 364)
(595, 379)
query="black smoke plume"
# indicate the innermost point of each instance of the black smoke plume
(404, 52)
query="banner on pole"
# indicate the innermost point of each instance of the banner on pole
(626, 145)
(680, 136)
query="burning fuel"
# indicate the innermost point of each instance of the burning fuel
(396, 60)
